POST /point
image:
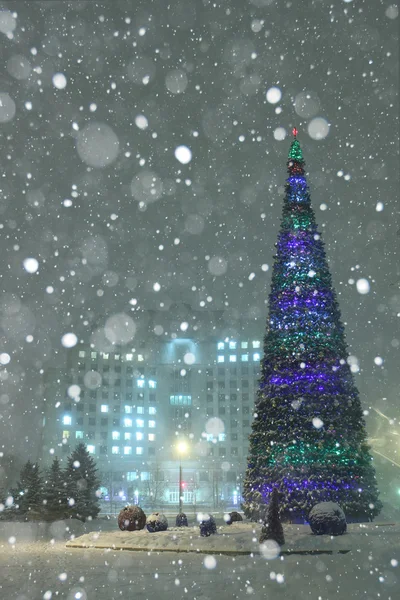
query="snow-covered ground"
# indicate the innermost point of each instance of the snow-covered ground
(44, 571)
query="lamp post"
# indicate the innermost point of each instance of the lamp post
(182, 448)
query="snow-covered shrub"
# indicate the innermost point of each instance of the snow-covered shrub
(131, 518)
(232, 517)
(181, 520)
(156, 522)
(207, 525)
(327, 518)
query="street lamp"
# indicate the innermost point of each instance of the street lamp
(182, 449)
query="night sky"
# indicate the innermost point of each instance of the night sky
(95, 98)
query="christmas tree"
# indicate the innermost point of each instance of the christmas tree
(82, 484)
(308, 436)
(55, 492)
(28, 494)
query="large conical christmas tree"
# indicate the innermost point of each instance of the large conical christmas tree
(308, 436)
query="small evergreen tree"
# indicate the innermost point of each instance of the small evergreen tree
(28, 494)
(82, 484)
(272, 528)
(55, 492)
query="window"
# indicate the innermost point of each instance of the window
(92, 407)
(245, 397)
(221, 437)
(244, 345)
(81, 354)
(221, 397)
(139, 436)
(104, 422)
(234, 451)
(246, 410)
(140, 383)
(127, 450)
(245, 357)
(116, 435)
(209, 398)
(256, 344)
(104, 408)
(128, 357)
(115, 450)
(139, 423)
(103, 449)
(103, 435)
(233, 397)
(222, 451)
(79, 421)
(233, 383)
(152, 410)
(115, 422)
(117, 383)
(152, 424)
(152, 384)
(92, 421)
(246, 423)
(67, 420)
(221, 358)
(127, 435)
(139, 450)
(131, 476)
(105, 356)
(90, 435)
(117, 357)
(79, 435)
(234, 436)
(151, 451)
(232, 345)
(140, 410)
(152, 398)
(221, 410)
(104, 395)
(128, 409)
(65, 434)
(221, 384)
(180, 400)
(256, 356)
(210, 411)
(93, 355)
(232, 358)
(245, 383)
(91, 449)
(127, 422)
(220, 345)
(152, 437)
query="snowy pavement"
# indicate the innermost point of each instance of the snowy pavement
(44, 571)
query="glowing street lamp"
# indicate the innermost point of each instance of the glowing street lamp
(182, 448)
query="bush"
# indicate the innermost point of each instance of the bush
(181, 520)
(232, 517)
(207, 526)
(156, 522)
(131, 518)
(327, 518)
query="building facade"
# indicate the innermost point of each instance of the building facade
(134, 408)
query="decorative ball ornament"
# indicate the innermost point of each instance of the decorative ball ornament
(294, 131)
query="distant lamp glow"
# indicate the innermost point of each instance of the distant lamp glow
(182, 447)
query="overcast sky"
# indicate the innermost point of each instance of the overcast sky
(143, 158)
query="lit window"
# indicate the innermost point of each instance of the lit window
(140, 358)
(152, 384)
(245, 357)
(104, 408)
(140, 383)
(222, 437)
(180, 400)
(93, 355)
(127, 435)
(128, 409)
(152, 437)
(256, 356)
(232, 345)
(79, 435)
(256, 344)
(127, 422)
(139, 436)
(232, 358)
(105, 355)
(152, 424)
(152, 410)
(115, 450)
(66, 434)
(244, 345)
(131, 476)
(221, 345)
(117, 357)
(67, 420)
(128, 357)
(221, 359)
(140, 410)
(209, 437)
(127, 449)
(139, 450)
(90, 449)
(81, 354)
(116, 435)
(139, 423)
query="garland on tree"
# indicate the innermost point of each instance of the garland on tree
(308, 437)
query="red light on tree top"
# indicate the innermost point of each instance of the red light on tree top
(294, 131)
